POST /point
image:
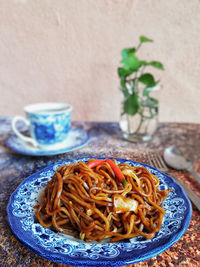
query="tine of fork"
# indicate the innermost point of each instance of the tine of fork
(157, 162)
(163, 165)
(149, 156)
(153, 160)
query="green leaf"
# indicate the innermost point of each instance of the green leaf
(127, 51)
(131, 105)
(123, 72)
(144, 39)
(131, 62)
(147, 79)
(144, 63)
(156, 64)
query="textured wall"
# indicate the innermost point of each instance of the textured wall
(69, 51)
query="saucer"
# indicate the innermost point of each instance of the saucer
(76, 139)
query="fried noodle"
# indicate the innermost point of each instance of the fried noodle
(91, 204)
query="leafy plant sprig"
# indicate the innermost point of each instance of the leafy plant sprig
(132, 76)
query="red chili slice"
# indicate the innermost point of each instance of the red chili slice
(117, 172)
(95, 163)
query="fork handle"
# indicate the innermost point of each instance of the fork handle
(195, 175)
(193, 197)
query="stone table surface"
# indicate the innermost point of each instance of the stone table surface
(106, 140)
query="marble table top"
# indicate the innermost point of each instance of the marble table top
(106, 140)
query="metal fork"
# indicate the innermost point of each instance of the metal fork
(156, 161)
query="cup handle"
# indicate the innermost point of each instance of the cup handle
(21, 136)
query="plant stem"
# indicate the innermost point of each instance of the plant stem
(140, 124)
(142, 70)
(136, 83)
(128, 120)
(137, 48)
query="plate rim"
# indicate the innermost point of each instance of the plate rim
(49, 152)
(61, 258)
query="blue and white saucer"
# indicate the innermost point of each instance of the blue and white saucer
(76, 139)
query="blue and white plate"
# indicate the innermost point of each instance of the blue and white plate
(69, 250)
(76, 139)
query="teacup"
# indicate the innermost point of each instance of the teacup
(49, 124)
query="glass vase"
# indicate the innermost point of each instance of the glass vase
(141, 126)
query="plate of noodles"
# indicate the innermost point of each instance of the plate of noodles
(99, 212)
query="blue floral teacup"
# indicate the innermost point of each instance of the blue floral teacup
(49, 124)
